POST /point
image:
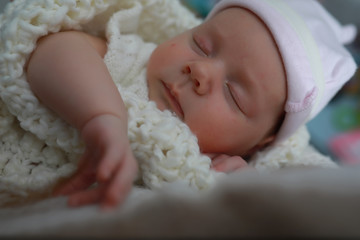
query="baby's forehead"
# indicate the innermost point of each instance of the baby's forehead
(223, 11)
(239, 20)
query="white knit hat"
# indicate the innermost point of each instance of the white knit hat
(310, 42)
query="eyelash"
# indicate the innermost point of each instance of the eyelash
(200, 47)
(234, 99)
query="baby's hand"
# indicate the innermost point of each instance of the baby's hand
(227, 164)
(107, 161)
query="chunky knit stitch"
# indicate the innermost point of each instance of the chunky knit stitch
(38, 148)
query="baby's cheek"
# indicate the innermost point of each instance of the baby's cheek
(210, 139)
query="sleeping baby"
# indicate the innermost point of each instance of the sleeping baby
(245, 79)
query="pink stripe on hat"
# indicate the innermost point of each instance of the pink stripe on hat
(310, 42)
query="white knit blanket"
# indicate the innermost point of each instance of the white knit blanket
(38, 148)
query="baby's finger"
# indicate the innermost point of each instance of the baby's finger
(75, 182)
(90, 196)
(211, 155)
(82, 179)
(109, 163)
(78, 182)
(218, 159)
(121, 183)
(229, 164)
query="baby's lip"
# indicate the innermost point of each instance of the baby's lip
(173, 100)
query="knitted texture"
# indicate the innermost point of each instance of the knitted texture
(38, 148)
(40, 142)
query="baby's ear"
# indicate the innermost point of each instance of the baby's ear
(267, 141)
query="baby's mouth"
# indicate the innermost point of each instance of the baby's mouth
(173, 101)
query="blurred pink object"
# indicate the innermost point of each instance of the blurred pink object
(347, 147)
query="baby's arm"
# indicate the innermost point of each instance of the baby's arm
(67, 73)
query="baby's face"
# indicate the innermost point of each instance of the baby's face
(225, 79)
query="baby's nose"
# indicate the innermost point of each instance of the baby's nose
(200, 75)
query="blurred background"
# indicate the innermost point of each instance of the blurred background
(336, 130)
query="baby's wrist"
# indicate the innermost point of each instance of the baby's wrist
(104, 117)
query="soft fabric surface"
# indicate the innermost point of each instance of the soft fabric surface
(291, 202)
(39, 147)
